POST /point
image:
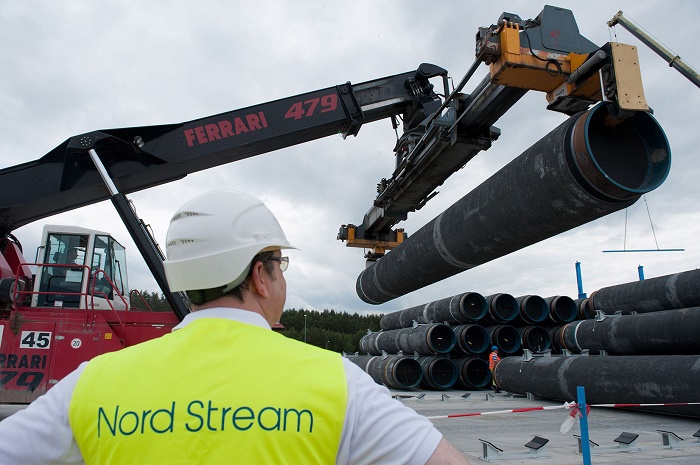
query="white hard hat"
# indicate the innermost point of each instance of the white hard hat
(212, 239)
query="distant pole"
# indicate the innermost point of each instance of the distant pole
(304, 327)
(640, 270)
(327, 342)
(585, 444)
(579, 281)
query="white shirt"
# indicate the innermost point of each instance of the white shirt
(377, 429)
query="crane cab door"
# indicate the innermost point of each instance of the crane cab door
(80, 268)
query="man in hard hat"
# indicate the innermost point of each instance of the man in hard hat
(493, 361)
(223, 387)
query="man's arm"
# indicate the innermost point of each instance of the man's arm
(446, 454)
(41, 433)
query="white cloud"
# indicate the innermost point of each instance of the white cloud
(71, 67)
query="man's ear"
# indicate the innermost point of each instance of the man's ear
(259, 280)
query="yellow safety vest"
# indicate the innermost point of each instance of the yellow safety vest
(216, 391)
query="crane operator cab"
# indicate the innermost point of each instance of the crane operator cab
(80, 268)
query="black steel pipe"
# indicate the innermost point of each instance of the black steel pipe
(471, 340)
(395, 371)
(535, 338)
(439, 372)
(423, 339)
(620, 379)
(472, 372)
(581, 171)
(562, 309)
(680, 290)
(584, 312)
(532, 309)
(672, 332)
(461, 308)
(555, 333)
(505, 337)
(502, 308)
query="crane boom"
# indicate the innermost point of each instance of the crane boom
(141, 157)
(660, 49)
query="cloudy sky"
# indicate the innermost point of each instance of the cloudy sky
(71, 67)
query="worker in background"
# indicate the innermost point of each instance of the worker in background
(493, 361)
(69, 258)
(222, 387)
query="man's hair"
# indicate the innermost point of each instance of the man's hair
(199, 297)
(263, 257)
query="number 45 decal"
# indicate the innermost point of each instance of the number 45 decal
(35, 340)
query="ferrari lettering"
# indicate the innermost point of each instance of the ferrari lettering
(35, 362)
(225, 128)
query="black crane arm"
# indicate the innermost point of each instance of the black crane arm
(141, 157)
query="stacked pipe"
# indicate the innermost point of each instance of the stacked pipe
(396, 371)
(451, 337)
(631, 339)
(649, 332)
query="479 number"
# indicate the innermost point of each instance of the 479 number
(307, 108)
(29, 379)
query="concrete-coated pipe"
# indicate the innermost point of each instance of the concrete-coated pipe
(535, 338)
(555, 335)
(395, 371)
(583, 310)
(562, 309)
(620, 379)
(532, 309)
(579, 172)
(461, 308)
(501, 308)
(439, 372)
(423, 339)
(472, 372)
(471, 340)
(505, 337)
(680, 290)
(672, 332)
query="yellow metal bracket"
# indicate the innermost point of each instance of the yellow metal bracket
(378, 247)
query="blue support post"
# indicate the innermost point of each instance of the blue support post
(640, 270)
(585, 442)
(579, 282)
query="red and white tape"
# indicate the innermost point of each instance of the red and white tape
(495, 412)
(566, 405)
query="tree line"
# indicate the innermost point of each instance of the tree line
(328, 329)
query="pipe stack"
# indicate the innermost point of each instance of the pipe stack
(650, 340)
(450, 338)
